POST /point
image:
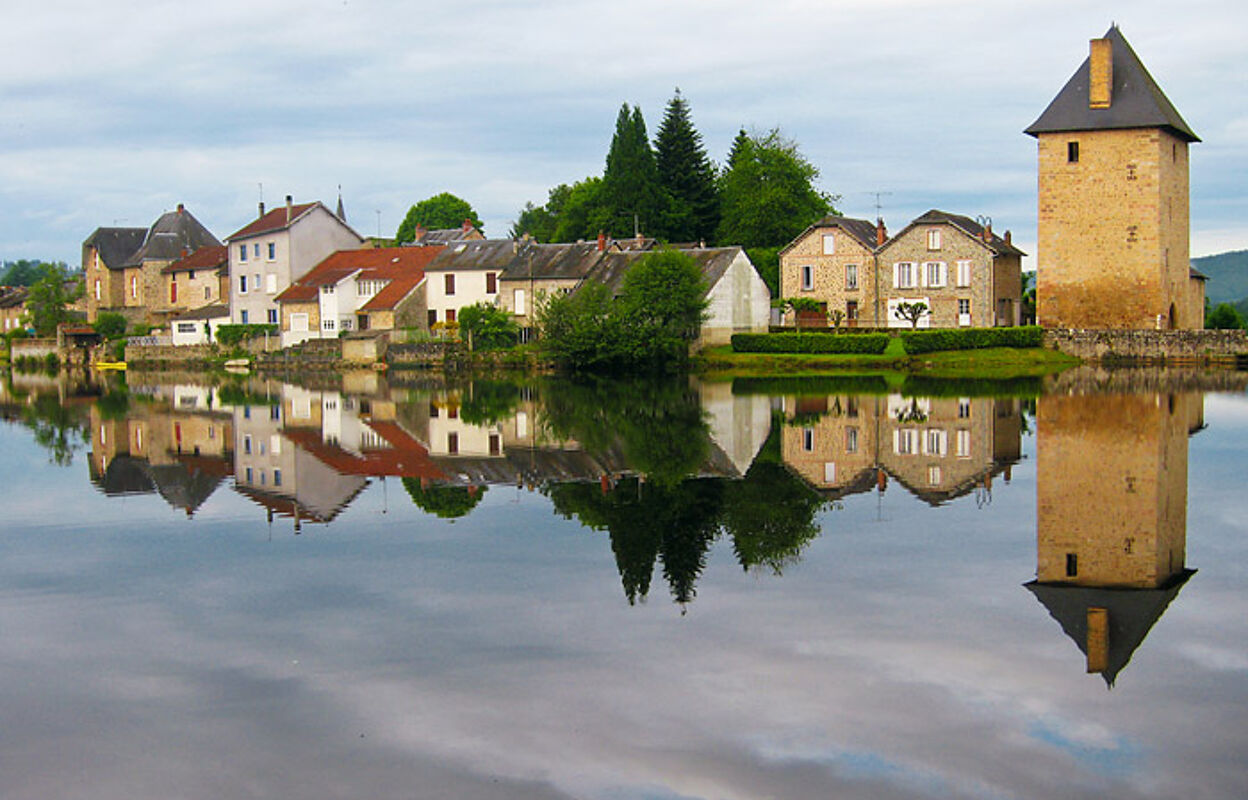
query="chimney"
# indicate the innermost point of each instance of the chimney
(1101, 74)
(881, 233)
(1007, 238)
(419, 233)
(467, 226)
(290, 208)
(180, 209)
(988, 231)
(602, 241)
(261, 208)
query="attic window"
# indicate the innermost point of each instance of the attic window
(933, 239)
(829, 244)
(1072, 152)
(461, 248)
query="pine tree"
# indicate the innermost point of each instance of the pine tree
(631, 193)
(767, 193)
(687, 175)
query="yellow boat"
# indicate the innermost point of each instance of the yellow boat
(109, 365)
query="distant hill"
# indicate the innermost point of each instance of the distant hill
(1228, 276)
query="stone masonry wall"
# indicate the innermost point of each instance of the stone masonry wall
(1147, 346)
(829, 273)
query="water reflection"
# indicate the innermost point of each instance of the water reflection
(1112, 516)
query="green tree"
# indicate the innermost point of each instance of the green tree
(441, 211)
(1224, 316)
(662, 306)
(579, 331)
(23, 272)
(767, 193)
(110, 324)
(582, 213)
(912, 313)
(447, 502)
(486, 326)
(48, 298)
(631, 193)
(687, 175)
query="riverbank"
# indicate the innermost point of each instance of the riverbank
(998, 362)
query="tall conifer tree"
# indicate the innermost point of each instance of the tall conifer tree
(687, 175)
(630, 183)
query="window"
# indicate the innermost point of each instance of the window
(1072, 152)
(808, 439)
(452, 443)
(242, 253)
(272, 251)
(933, 475)
(964, 444)
(964, 273)
(495, 444)
(1072, 565)
(905, 442)
(242, 284)
(97, 288)
(207, 293)
(186, 327)
(829, 472)
(964, 408)
(851, 276)
(272, 316)
(173, 289)
(329, 289)
(257, 249)
(829, 244)
(270, 283)
(255, 281)
(299, 322)
(933, 239)
(903, 275)
(808, 278)
(277, 477)
(432, 317)
(964, 311)
(249, 475)
(450, 283)
(242, 316)
(247, 444)
(851, 440)
(491, 282)
(518, 301)
(934, 273)
(450, 315)
(328, 324)
(134, 286)
(936, 442)
(346, 323)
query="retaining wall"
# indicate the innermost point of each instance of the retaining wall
(1146, 346)
(33, 348)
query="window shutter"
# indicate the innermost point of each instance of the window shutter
(896, 276)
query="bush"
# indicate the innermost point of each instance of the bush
(230, 335)
(871, 343)
(110, 324)
(140, 329)
(1224, 317)
(488, 327)
(917, 342)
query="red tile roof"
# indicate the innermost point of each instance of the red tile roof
(403, 267)
(405, 457)
(275, 220)
(207, 257)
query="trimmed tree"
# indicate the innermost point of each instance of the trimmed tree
(912, 312)
(441, 211)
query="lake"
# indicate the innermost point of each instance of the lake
(866, 587)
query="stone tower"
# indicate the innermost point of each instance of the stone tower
(1113, 211)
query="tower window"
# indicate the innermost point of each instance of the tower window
(1072, 152)
(1072, 565)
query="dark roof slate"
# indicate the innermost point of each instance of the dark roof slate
(172, 235)
(712, 261)
(115, 246)
(968, 226)
(863, 231)
(553, 261)
(1136, 101)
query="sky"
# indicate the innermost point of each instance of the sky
(112, 113)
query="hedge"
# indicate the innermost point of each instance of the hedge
(917, 342)
(230, 335)
(805, 343)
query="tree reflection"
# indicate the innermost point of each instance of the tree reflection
(446, 502)
(57, 428)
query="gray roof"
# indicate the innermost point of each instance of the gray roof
(1136, 101)
(214, 311)
(712, 261)
(115, 246)
(862, 230)
(1132, 614)
(174, 235)
(13, 296)
(553, 261)
(968, 226)
(491, 254)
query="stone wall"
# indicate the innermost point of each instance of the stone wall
(1095, 379)
(33, 348)
(1148, 346)
(425, 354)
(190, 352)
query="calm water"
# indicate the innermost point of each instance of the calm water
(767, 589)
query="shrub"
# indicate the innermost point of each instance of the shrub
(140, 329)
(230, 335)
(110, 324)
(917, 342)
(488, 326)
(871, 343)
(1224, 317)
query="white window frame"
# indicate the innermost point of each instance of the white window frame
(851, 440)
(963, 441)
(851, 276)
(935, 442)
(242, 284)
(808, 277)
(903, 275)
(964, 317)
(964, 273)
(829, 472)
(933, 239)
(272, 251)
(519, 299)
(242, 253)
(934, 274)
(829, 244)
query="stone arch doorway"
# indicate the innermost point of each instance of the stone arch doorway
(1174, 322)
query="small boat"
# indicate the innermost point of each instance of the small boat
(118, 365)
(238, 362)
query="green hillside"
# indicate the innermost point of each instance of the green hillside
(1228, 276)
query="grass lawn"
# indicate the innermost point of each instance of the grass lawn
(998, 362)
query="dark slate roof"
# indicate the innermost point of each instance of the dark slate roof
(553, 261)
(1132, 614)
(1197, 274)
(1136, 101)
(862, 230)
(116, 245)
(175, 233)
(480, 254)
(215, 311)
(14, 296)
(968, 226)
(712, 261)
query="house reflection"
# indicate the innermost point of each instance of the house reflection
(938, 448)
(1112, 516)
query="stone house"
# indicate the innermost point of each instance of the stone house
(12, 307)
(274, 250)
(369, 289)
(833, 263)
(199, 279)
(1114, 227)
(966, 275)
(123, 266)
(544, 270)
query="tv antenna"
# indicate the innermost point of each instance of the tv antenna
(878, 204)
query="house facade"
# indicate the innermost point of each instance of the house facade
(966, 276)
(545, 270)
(464, 274)
(12, 307)
(833, 263)
(1113, 232)
(104, 254)
(268, 254)
(197, 280)
(355, 290)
